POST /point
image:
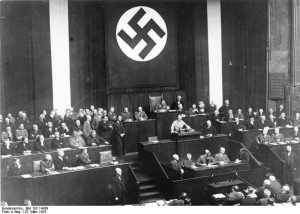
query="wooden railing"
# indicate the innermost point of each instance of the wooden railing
(135, 185)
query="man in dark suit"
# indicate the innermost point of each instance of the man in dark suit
(24, 146)
(95, 140)
(296, 120)
(6, 149)
(40, 122)
(223, 110)
(263, 138)
(215, 117)
(46, 165)
(282, 121)
(205, 158)
(112, 115)
(260, 113)
(261, 123)
(194, 110)
(250, 199)
(105, 129)
(40, 145)
(68, 119)
(56, 142)
(290, 164)
(64, 130)
(250, 125)
(6, 123)
(118, 136)
(119, 187)
(296, 134)
(15, 168)
(277, 136)
(83, 158)
(271, 122)
(177, 102)
(243, 155)
(7, 135)
(237, 126)
(279, 111)
(222, 157)
(209, 130)
(176, 165)
(126, 115)
(275, 186)
(77, 127)
(284, 195)
(49, 130)
(229, 116)
(61, 162)
(35, 132)
(249, 114)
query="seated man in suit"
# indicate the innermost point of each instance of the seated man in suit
(277, 136)
(40, 145)
(279, 111)
(209, 130)
(94, 140)
(56, 142)
(41, 123)
(266, 197)
(243, 155)
(194, 110)
(5, 124)
(7, 135)
(188, 163)
(15, 168)
(271, 121)
(201, 107)
(47, 165)
(49, 130)
(112, 116)
(263, 138)
(206, 158)
(284, 195)
(211, 108)
(260, 113)
(126, 115)
(83, 158)
(237, 126)
(249, 114)
(178, 125)
(234, 197)
(261, 123)
(63, 130)
(296, 134)
(282, 121)
(250, 125)
(6, 149)
(296, 120)
(105, 129)
(77, 127)
(140, 115)
(24, 146)
(239, 114)
(177, 102)
(21, 132)
(176, 165)
(221, 157)
(76, 140)
(161, 107)
(229, 116)
(223, 110)
(271, 112)
(61, 161)
(35, 132)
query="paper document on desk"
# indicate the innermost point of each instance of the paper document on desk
(53, 173)
(161, 203)
(219, 195)
(26, 176)
(64, 149)
(94, 165)
(155, 141)
(5, 156)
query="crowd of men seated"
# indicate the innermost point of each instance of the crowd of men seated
(271, 193)
(206, 159)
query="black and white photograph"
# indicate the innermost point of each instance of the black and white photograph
(136, 104)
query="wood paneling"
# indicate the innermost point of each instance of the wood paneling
(26, 83)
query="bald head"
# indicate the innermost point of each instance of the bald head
(118, 171)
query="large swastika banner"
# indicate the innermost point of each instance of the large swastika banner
(141, 45)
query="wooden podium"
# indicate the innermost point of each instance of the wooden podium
(195, 135)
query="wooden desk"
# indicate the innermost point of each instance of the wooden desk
(166, 148)
(223, 127)
(137, 131)
(89, 186)
(165, 119)
(27, 160)
(201, 171)
(186, 136)
(247, 137)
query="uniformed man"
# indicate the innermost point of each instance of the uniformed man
(161, 107)
(179, 124)
(263, 138)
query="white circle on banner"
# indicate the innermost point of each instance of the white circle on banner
(141, 33)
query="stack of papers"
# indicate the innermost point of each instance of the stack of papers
(26, 176)
(219, 196)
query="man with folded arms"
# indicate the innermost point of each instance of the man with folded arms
(63, 130)
(277, 136)
(61, 161)
(21, 132)
(261, 122)
(105, 129)
(112, 116)
(56, 142)
(7, 135)
(83, 158)
(251, 124)
(222, 157)
(35, 132)
(47, 164)
(40, 145)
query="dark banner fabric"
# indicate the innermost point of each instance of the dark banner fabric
(141, 45)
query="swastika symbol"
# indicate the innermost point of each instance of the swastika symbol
(141, 33)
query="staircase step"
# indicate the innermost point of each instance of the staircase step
(151, 200)
(143, 177)
(145, 187)
(150, 194)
